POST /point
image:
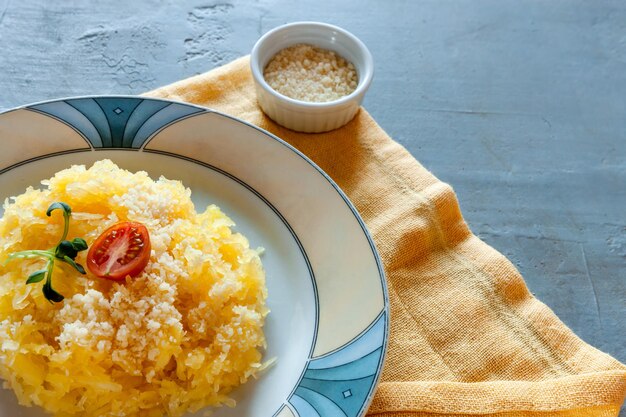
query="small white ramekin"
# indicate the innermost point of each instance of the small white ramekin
(306, 116)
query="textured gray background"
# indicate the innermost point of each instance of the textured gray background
(519, 104)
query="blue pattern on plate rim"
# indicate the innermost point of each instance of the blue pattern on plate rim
(116, 122)
(337, 384)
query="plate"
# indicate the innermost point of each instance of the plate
(328, 325)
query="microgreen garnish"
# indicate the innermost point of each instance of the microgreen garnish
(64, 251)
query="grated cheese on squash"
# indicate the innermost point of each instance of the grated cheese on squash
(175, 339)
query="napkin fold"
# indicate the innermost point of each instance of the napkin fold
(467, 337)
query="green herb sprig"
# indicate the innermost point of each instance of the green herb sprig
(64, 251)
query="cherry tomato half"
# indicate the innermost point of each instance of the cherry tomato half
(122, 250)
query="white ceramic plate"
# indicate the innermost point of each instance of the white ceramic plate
(328, 324)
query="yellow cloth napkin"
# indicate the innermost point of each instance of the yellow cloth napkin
(467, 337)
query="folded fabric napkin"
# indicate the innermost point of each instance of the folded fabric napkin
(467, 337)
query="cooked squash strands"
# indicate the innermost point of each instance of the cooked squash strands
(176, 338)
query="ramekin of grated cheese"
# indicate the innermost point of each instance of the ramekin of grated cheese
(310, 76)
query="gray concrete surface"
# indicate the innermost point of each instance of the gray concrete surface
(519, 104)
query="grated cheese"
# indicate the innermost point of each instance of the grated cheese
(308, 73)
